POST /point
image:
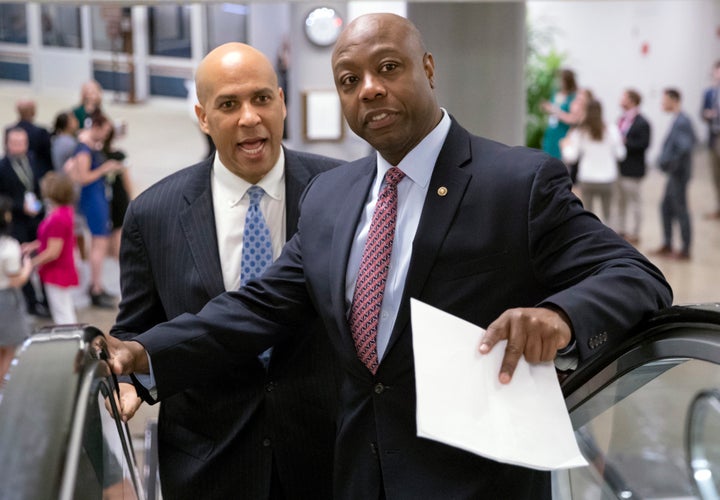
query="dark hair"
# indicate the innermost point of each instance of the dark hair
(593, 120)
(568, 80)
(6, 205)
(62, 120)
(673, 94)
(634, 96)
(58, 188)
(98, 119)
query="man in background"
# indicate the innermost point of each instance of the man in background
(676, 161)
(711, 115)
(264, 426)
(38, 137)
(635, 131)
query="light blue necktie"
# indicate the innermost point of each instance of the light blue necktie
(257, 244)
(257, 248)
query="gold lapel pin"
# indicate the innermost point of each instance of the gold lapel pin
(442, 191)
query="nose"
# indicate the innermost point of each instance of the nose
(249, 117)
(371, 88)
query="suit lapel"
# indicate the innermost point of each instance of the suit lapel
(296, 178)
(437, 215)
(197, 220)
(359, 179)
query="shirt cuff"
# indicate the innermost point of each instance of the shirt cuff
(148, 381)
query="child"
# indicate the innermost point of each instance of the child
(14, 273)
(55, 244)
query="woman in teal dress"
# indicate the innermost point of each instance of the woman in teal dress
(559, 117)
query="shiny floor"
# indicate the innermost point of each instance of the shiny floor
(162, 138)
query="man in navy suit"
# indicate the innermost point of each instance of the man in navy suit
(20, 181)
(38, 137)
(676, 161)
(487, 232)
(250, 431)
(635, 130)
(711, 115)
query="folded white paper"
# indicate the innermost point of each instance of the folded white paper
(460, 401)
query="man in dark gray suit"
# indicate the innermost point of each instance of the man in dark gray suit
(253, 431)
(487, 232)
(676, 161)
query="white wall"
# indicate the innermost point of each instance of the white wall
(603, 41)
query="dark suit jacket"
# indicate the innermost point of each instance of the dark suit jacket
(637, 141)
(508, 233)
(218, 440)
(38, 143)
(676, 154)
(710, 98)
(24, 227)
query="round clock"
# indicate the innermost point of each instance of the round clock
(322, 26)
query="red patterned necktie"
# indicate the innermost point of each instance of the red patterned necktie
(370, 285)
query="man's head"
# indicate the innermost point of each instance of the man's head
(671, 100)
(716, 73)
(385, 79)
(17, 142)
(242, 108)
(630, 99)
(26, 109)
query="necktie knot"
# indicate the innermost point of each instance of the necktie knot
(394, 176)
(255, 193)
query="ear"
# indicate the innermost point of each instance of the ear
(429, 67)
(202, 118)
(281, 96)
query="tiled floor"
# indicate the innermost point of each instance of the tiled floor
(162, 138)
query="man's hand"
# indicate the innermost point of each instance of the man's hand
(126, 357)
(128, 403)
(536, 333)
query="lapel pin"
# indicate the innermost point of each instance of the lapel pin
(442, 191)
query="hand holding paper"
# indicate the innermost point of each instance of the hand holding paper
(461, 402)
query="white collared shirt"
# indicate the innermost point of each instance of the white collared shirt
(418, 167)
(230, 205)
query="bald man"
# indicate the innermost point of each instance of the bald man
(38, 137)
(487, 232)
(250, 431)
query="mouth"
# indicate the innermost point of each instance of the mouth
(252, 146)
(379, 119)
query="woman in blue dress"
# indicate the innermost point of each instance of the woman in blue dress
(89, 170)
(560, 119)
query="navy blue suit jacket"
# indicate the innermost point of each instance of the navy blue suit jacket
(218, 440)
(508, 233)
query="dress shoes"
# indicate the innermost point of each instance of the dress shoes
(102, 299)
(683, 255)
(712, 215)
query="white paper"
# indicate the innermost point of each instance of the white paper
(461, 402)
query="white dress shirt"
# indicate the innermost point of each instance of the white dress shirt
(230, 205)
(418, 167)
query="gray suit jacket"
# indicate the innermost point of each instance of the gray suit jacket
(676, 155)
(219, 439)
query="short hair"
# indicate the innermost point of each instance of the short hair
(634, 96)
(673, 94)
(6, 205)
(61, 121)
(568, 78)
(58, 188)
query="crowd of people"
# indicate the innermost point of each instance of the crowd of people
(59, 189)
(607, 159)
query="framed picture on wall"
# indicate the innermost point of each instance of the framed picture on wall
(322, 116)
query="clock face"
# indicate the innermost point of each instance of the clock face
(322, 26)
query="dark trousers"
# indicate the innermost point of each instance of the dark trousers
(674, 208)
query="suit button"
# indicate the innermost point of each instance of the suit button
(269, 386)
(379, 388)
(266, 442)
(373, 448)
